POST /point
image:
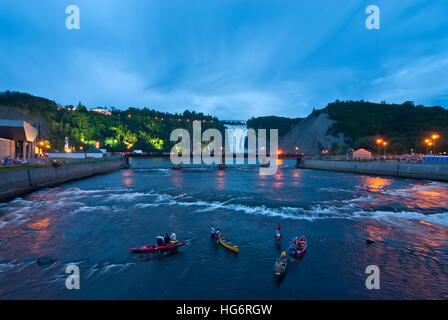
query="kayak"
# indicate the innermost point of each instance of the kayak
(151, 248)
(280, 267)
(300, 250)
(228, 244)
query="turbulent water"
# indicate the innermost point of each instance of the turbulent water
(93, 222)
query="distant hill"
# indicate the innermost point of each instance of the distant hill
(144, 129)
(283, 124)
(358, 124)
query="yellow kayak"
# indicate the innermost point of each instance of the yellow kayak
(228, 244)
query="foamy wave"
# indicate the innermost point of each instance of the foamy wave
(440, 219)
(6, 267)
(319, 211)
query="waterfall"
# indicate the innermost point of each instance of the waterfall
(236, 138)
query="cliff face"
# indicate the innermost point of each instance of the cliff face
(310, 135)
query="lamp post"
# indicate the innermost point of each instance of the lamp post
(384, 145)
(427, 141)
(435, 137)
(379, 142)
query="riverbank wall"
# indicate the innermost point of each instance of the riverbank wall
(18, 181)
(428, 171)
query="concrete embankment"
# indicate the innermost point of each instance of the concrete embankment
(15, 182)
(397, 169)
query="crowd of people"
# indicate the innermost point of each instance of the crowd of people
(8, 161)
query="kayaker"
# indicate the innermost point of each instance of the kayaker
(167, 239)
(212, 231)
(283, 254)
(277, 234)
(217, 235)
(277, 227)
(173, 237)
(160, 240)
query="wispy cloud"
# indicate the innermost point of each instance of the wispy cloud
(234, 59)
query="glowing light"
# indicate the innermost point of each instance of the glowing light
(379, 141)
(435, 136)
(279, 152)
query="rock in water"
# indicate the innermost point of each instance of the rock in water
(369, 241)
(45, 260)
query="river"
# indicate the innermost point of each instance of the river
(93, 222)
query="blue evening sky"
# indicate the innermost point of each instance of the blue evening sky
(230, 58)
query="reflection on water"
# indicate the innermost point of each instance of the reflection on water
(375, 184)
(407, 261)
(127, 178)
(220, 180)
(93, 222)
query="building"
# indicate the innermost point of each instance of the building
(17, 139)
(362, 154)
(52, 154)
(93, 152)
(102, 111)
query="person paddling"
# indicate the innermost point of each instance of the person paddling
(167, 239)
(217, 235)
(277, 232)
(173, 237)
(160, 240)
(212, 231)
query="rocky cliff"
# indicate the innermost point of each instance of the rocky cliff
(310, 135)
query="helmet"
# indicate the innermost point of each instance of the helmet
(283, 254)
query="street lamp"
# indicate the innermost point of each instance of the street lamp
(384, 145)
(379, 142)
(427, 141)
(435, 137)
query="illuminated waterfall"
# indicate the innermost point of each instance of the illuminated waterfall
(236, 138)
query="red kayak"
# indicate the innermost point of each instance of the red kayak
(301, 247)
(151, 248)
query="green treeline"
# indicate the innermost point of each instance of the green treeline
(405, 126)
(130, 129)
(284, 125)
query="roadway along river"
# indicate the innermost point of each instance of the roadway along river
(93, 222)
